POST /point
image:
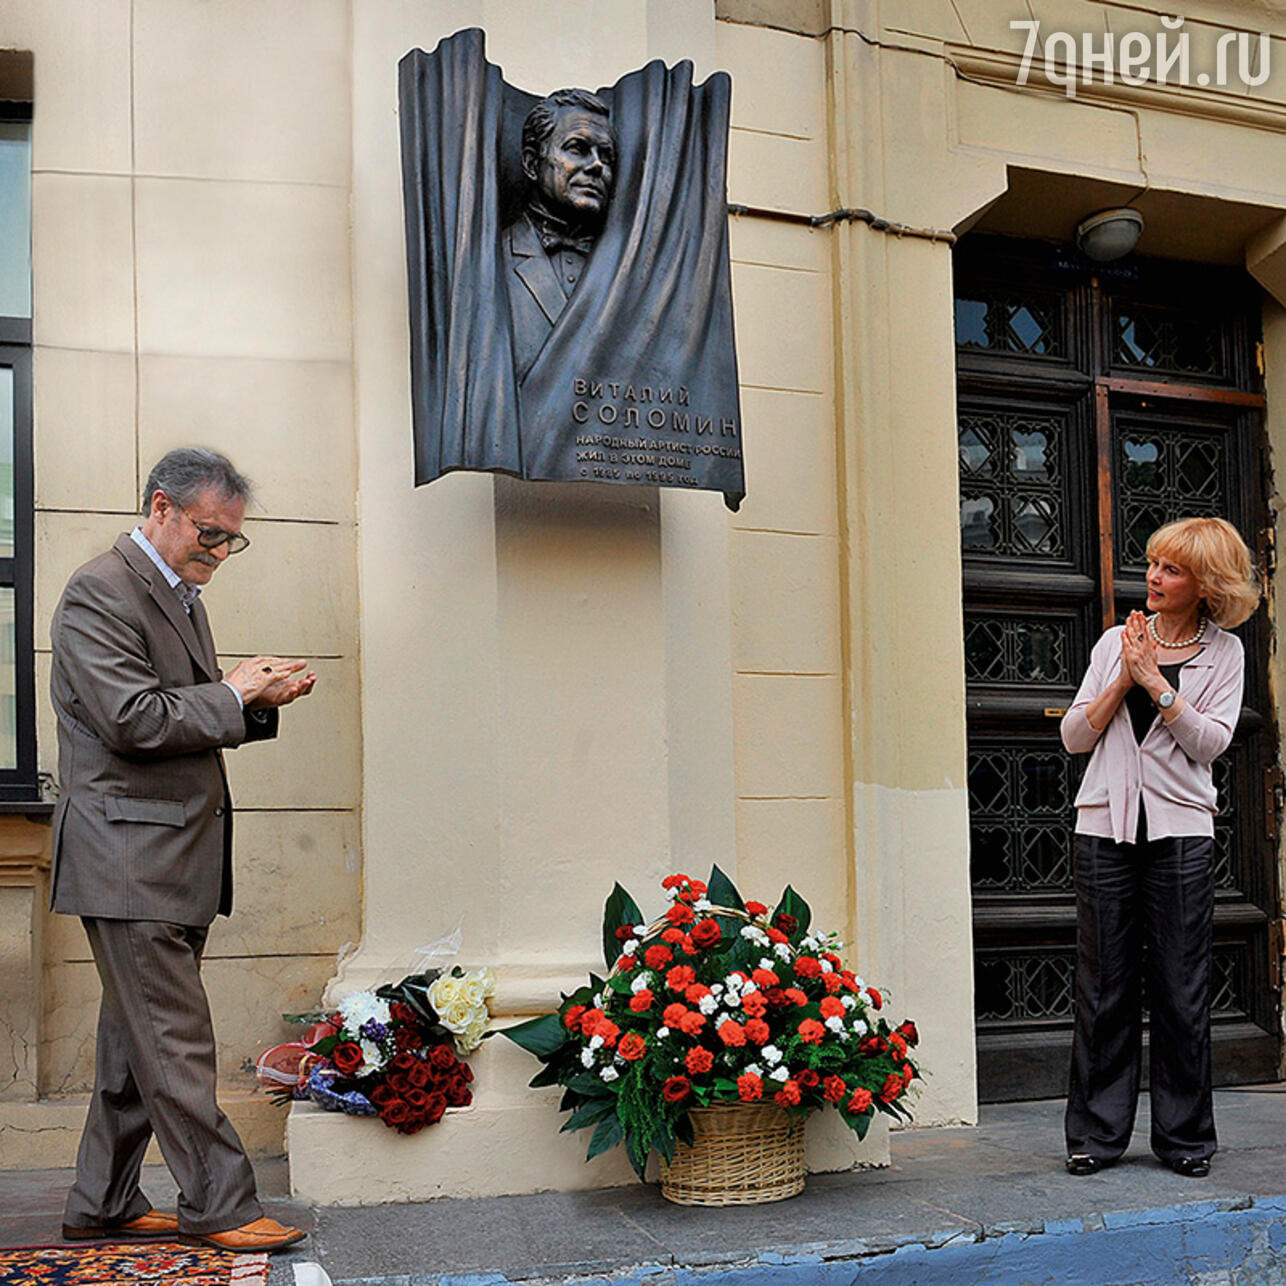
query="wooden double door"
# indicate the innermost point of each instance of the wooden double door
(1095, 404)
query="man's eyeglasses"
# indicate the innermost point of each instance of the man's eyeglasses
(213, 537)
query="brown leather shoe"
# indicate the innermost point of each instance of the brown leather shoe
(156, 1225)
(258, 1235)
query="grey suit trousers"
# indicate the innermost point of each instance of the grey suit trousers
(155, 1073)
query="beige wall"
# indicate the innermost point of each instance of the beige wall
(190, 193)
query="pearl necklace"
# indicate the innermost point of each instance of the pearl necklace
(1180, 643)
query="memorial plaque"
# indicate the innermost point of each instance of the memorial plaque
(567, 264)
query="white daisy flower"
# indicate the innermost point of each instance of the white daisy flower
(359, 1007)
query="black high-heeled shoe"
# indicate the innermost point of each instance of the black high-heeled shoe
(1081, 1163)
(1190, 1167)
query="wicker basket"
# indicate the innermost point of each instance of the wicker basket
(743, 1154)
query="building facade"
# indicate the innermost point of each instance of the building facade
(955, 427)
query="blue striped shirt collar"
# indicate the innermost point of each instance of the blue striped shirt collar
(188, 594)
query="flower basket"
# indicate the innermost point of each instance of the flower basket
(742, 1154)
(719, 1027)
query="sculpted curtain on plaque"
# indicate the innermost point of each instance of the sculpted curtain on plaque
(567, 258)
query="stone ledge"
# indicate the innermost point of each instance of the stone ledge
(44, 1135)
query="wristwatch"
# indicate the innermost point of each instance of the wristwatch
(1166, 699)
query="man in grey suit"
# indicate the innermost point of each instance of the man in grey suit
(143, 850)
(569, 160)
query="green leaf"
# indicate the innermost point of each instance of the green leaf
(325, 1046)
(683, 1130)
(619, 909)
(858, 1124)
(663, 1137)
(723, 892)
(541, 1036)
(548, 1075)
(590, 1113)
(792, 904)
(608, 1135)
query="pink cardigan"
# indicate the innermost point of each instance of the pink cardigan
(1170, 769)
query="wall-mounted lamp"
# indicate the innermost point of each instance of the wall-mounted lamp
(1109, 234)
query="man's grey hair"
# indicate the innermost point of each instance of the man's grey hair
(542, 118)
(184, 473)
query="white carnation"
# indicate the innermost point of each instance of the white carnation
(847, 1001)
(587, 1058)
(836, 1023)
(662, 1032)
(641, 930)
(753, 1069)
(630, 946)
(860, 1028)
(827, 967)
(703, 904)
(732, 1000)
(609, 1074)
(596, 1042)
(771, 1054)
(765, 962)
(781, 1073)
(708, 1004)
(782, 951)
(371, 1055)
(640, 983)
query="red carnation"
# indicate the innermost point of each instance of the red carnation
(347, 1058)
(776, 936)
(893, 1087)
(811, 1031)
(624, 932)
(672, 935)
(626, 963)
(657, 956)
(788, 1095)
(832, 982)
(834, 1089)
(572, 1017)
(908, 1075)
(808, 967)
(831, 1007)
(756, 908)
(692, 1022)
(808, 1079)
(873, 1045)
(795, 997)
(786, 923)
(754, 1004)
(632, 1046)
(674, 1089)
(749, 1087)
(699, 1060)
(860, 1102)
(641, 1001)
(876, 999)
(765, 979)
(673, 1014)
(679, 914)
(674, 882)
(897, 1045)
(758, 1031)
(680, 977)
(696, 993)
(908, 1032)
(731, 1032)
(706, 933)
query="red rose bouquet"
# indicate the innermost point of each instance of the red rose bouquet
(720, 1000)
(389, 1053)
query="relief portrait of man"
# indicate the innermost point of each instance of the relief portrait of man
(568, 275)
(569, 162)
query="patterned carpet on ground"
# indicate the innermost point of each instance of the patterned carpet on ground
(122, 1264)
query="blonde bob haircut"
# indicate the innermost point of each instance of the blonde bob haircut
(1214, 552)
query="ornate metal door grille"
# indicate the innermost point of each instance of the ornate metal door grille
(1091, 411)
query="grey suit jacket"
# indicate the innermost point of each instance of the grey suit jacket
(143, 827)
(536, 297)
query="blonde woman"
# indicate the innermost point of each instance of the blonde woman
(1157, 706)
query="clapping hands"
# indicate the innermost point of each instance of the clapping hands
(1139, 652)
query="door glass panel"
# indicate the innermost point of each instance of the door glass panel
(15, 219)
(1012, 488)
(1167, 340)
(1011, 323)
(1033, 985)
(1164, 474)
(1006, 649)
